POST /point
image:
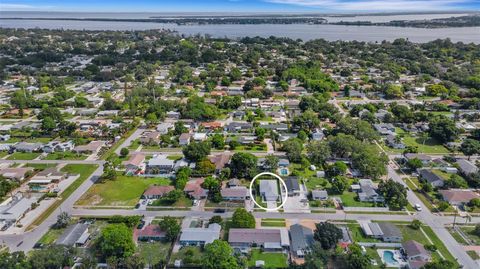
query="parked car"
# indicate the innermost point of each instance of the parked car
(219, 210)
(418, 207)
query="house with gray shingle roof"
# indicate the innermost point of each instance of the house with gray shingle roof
(466, 167)
(301, 239)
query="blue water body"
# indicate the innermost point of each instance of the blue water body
(294, 31)
(388, 257)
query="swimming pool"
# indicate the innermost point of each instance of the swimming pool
(284, 171)
(389, 258)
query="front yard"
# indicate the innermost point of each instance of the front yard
(65, 156)
(23, 156)
(124, 191)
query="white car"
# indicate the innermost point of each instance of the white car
(418, 207)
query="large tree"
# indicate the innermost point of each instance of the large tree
(196, 151)
(370, 161)
(394, 193)
(470, 147)
(243, 219)
(293, 148)
(243, 165)
(171, 227)
(327, 234)
(219, 255)
(54, 256)
(116, 240)
(318, 152)
(443, 129)
(355, 258)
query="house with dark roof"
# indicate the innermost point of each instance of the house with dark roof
(368, 191)
(415, 254)
(385, 231)
(293, 187)
(429, 176)
(301, 239)
(220, 161)
(466, 167)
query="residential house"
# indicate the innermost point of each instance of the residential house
(28, 147)
(416, 254)
(458, 197)
(200, 236)
(151, 232)
(320, 195)
(368, 192)
(134, 163)
(184, 139)
(394, 141)
(429, 176)
(220, 161)
(199, 136)
(58, 146)
(173, 115)
(43, 180)
(267, 239)
(150, 138)
(422, 157)
(466, 167)
(293, 187)
(93, 147)
(14, 208)
(385, 231)
(74, 235)
(318, 135)
(269, 190)
(164, 127)
(4, 137)
(160, 164)
(157, 192)
(385, 128)
(194, 189)
(15, 173)
(239, 193)
(236, 126)
(301, 239)
(233, 183)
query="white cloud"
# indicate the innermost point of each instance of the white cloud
(375, 5)
(21, 7)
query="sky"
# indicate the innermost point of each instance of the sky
(340, 6)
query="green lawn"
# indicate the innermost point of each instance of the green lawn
(350, 199)
(153, 252)
(51, 236)
(84, 170)
(439, 244)
(468, 231)
(124, 191)
(272, 260)
(273, 223)
(65, 156)
(3, 154)
(431, 145)
(316, 183)
(457, 236)
(358, 235)
(23, 156)
(188, 255)
(182, 202)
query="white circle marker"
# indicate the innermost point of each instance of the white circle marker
(284, 199)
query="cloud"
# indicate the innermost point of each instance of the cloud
(375, 5)
(21, 7)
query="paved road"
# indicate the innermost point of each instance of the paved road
(131, 138)
(30, 238)
(437, 224)
(99, 162)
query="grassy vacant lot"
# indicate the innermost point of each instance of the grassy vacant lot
(65, 156)
(51, 236)
(153, 252)
(124, 191)
(316, 183)
(23, 156)
(272, 260)
(84, 170)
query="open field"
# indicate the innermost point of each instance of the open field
(124, 191)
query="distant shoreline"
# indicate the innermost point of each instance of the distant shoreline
(450, 22)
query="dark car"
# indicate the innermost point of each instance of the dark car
(219, 210)
(141, 224)
(38, 245)
(137, 206)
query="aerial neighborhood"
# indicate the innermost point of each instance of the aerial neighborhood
(140, 149)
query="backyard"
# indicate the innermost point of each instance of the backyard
(272, 260)
(154, 252)
(124, 191)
